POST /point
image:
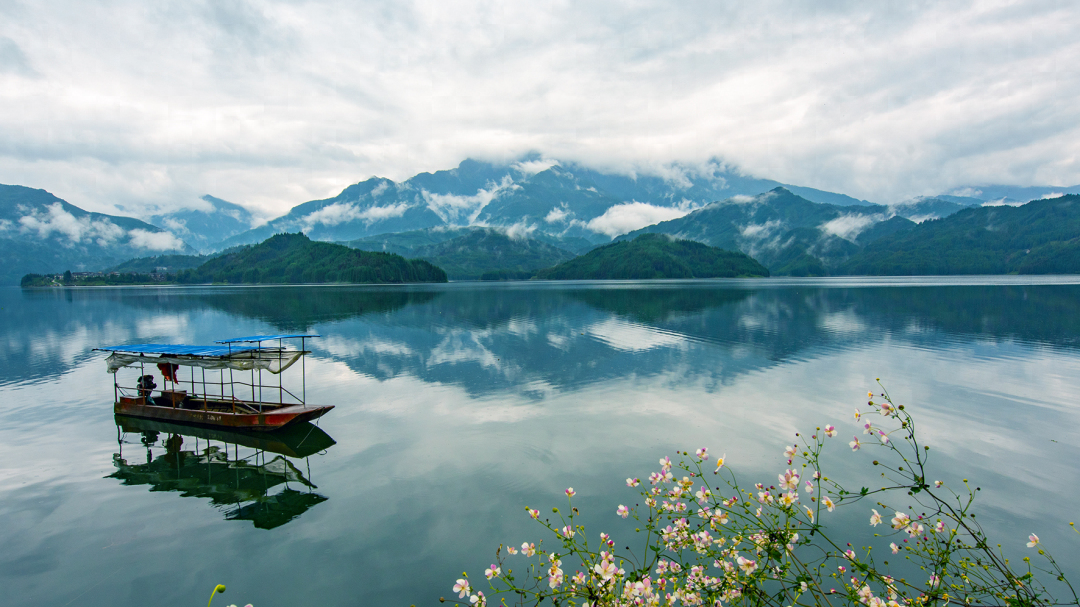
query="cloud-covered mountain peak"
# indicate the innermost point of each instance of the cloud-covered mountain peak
(41, 233)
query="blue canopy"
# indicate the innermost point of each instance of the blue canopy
(175, 349)
(258, 338)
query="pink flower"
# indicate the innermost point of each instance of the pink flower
(895, 548)
(850, 554)
(809, 486)
(747, 565)
(511, 550)
(570, 492)
(830, 430)
(789, 480)
(528, 549)
(534, 513)
(623, 511)
(828, 503)
(633, 482)
(703, 453)
(875, 518)
(791, 451)
(462, 588)
(492, 571)
(855, 444)
(900, 521)
(1033, 540)
(568, 531)
(665, 463)
(884, 437)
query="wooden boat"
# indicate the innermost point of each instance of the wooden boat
(226, 399)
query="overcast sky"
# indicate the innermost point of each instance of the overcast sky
(130, 104)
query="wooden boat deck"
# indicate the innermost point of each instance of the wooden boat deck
(217, 412)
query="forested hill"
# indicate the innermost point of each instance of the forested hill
(1040, 237)
(656, 256)
(294, 258)
(489, 250)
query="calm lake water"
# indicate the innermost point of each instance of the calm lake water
(459, 405)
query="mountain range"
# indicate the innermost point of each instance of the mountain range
(209, 222)
(41, 233)
(531, 201)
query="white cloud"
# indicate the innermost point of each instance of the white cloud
(76, 229)
(741, 199)
(968, 192)
(102, 231)
(623, 218)
(675, 175)
(879, 102)
(155, 241)
(760, 230)
(1053, 195)
(463, 210)
(556, 215)
(520, 230)
(344, 212)
(532, 167)
(174, 225)
(849, 226)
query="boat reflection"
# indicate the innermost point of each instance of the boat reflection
(250, 477)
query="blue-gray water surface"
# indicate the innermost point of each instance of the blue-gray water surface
(459, 405)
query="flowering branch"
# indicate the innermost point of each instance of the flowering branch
(713, 541)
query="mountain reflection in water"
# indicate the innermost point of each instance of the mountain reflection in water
(248, 485)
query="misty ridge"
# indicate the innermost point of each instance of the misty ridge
(518, 218)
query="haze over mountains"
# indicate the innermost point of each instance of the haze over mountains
(566, 207)
(42, 233)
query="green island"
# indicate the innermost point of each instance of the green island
(656, 256)
(281, 259)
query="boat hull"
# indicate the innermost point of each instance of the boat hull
(270, 419)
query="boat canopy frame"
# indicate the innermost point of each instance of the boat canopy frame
(231, 354)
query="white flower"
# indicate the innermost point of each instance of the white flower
(1033, 540)
(462, 588)
(875, 518)
(900, 521)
